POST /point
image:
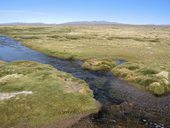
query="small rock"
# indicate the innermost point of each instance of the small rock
(144, 120)
(113, 121)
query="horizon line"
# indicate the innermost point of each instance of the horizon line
(98, 22)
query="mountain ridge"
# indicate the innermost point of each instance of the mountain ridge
(76, 23)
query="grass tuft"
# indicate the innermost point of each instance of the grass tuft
(98, 65)
(144, 77)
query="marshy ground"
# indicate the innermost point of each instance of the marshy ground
(145, 50)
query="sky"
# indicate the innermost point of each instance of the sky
(61, 11)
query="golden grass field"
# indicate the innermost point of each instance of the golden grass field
(148, 47)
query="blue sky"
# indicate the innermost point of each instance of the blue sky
(59, 11)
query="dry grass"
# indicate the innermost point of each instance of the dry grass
(146, 45)
(134, 43)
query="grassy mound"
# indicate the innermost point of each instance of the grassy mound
(148, 78)
(98, 65)
(40, 96)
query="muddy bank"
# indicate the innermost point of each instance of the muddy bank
(127, 106)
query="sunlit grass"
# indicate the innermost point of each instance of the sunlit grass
(144, 77)
(139, 45)
(56, 96)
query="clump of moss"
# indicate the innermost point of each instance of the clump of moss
(98, 65)
(146, 80)
(123, 72)
(145, 77)
(56, 96)
(148, 71)
(157, 88)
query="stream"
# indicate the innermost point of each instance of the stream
(123, 105)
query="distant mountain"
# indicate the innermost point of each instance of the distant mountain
(90, 23)
(68, 23)
(78, 23)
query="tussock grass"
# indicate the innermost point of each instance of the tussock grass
(56, 96)
(140, 45)
(98, 65)
(143, 77)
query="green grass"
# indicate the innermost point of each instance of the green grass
(144, 77)
(56, 96)
(139, 45)
(98, 65)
